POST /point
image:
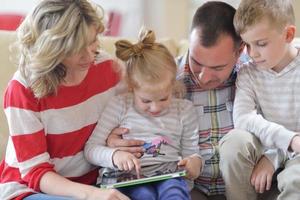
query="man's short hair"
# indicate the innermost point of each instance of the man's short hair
(215, 19)
(278, 12)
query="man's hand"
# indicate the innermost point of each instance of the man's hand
(261, 177)
(193, 166)
(115, 140)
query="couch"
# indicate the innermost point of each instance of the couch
(7, 68)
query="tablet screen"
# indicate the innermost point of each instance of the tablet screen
(115, 178)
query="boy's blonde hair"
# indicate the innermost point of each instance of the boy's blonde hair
(279, 13)
(148, 63)
(54, 30)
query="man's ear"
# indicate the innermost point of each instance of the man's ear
(290, 33)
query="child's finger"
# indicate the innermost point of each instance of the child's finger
(182, 162)
(137, 166)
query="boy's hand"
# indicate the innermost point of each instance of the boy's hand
(133, 146)
(193, 166)
(126, 161)
(261, 177)
(295, 144)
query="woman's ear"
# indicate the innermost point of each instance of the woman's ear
(290, 33)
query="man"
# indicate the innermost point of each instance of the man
(208, 71)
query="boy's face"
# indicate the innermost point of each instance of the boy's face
(153, 103)
(266, 45)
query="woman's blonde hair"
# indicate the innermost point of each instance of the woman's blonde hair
(54, 30)
(148, 63)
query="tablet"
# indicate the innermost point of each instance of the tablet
(116, 179)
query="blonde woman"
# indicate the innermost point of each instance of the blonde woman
(168, 125)
(52, 104)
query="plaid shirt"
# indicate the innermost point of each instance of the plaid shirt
(215, 120)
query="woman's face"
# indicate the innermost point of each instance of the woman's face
(81, 61)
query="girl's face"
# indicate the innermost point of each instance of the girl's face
(81, 61)
(154, 102)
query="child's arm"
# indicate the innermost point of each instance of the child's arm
(192, 159)
(95, 149)
(246, 114)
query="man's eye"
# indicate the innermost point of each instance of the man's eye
(219, 69)
(146, 101)
(165, 99)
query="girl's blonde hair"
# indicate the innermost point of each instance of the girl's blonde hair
(54, 30)
(148, 63)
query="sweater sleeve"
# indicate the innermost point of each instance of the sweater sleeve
(246, 115)
(189, 137)
(27, 147)
(95, 149)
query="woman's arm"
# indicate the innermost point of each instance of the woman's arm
(54, 184)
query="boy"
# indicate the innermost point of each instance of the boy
(267, 104)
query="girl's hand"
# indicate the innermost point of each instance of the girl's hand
(126, 161)
(193, 166)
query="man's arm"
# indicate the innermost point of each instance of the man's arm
(115, 140)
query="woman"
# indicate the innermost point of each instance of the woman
(52, 104)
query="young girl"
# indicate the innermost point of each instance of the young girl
(167, 124)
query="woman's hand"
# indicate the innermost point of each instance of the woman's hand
(126, 161)
(105, 194)
(115, 140)
(193, 166)
(54, 184)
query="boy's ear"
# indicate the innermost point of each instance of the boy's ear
(290, 33)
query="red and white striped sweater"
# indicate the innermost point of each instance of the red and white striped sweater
(49, 134)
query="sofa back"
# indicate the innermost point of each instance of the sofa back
(7, 69)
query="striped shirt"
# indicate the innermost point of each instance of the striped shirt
(172, 135)
(214, 108)
(49, 134)
(267, 104)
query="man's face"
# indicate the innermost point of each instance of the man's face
(212, 65)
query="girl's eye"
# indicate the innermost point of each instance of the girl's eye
(146, 101)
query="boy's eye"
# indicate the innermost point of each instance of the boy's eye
(261, 44)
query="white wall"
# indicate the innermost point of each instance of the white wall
(17, 6)
(169, 18)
